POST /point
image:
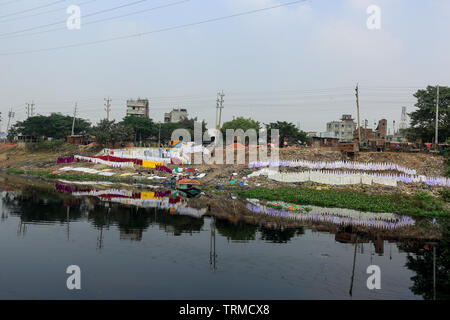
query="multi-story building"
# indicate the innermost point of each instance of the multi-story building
(176, 115)
(343, 129)
(138, 108)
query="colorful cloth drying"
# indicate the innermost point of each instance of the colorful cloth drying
(151, 164)
(65, 160)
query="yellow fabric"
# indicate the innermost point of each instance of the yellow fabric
(151, 164)
(149, 195)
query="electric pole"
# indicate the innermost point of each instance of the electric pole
(108, 107)
(159, 136)
(74, 115)
(30, 109)
(221, 95)
(10, 115)
(365, 132)
(436, 141)
(357, 108)
(217, 111)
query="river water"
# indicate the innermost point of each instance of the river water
(153, 247)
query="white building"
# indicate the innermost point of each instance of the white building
(176, 115)
(343, 129)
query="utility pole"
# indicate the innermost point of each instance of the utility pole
(220, 109)
(108, 107)
(357, 108)
(74, 115)
(365, 131)
(0, 121)
(10, 115)
(159, 136)
(217, 111)
(30, 109)
(436, 141)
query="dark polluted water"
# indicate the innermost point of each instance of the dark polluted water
(152, 245)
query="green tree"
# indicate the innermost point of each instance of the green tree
(188, 124)
(12, 133)
(424, 118)
(55, 126)
(143, 128)
(240, 123)
(288, 132)
(108, 132)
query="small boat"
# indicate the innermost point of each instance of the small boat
(187, 188)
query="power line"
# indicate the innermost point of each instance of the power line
(65, 20)
(8, 2)
(42, 13)
(98, 21)
(158, 30)
(31, 9)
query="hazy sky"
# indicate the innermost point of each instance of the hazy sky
(298, 63)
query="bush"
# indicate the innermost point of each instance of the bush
(445, 194)
(50, 145)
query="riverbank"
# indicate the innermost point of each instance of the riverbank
(416, 199)
(416, 204)
(225, 205)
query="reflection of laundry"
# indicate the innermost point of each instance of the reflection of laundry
(340, 217)
(191, 212)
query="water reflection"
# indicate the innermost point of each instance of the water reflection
(344, 217)
(136, 214)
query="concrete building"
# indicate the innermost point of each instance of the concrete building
(176, 115)
(138, 108)
(342, 129)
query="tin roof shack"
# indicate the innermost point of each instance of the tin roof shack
(325, 143)
(23, 140)
(76, 140)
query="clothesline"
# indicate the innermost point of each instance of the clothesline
(345, 177)
(352, 165)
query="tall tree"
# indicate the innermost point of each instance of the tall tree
(241, 123)
(288, 132)
(188, 124)
(424, 118)
(108, 132)
(55, 126)
(144, 128)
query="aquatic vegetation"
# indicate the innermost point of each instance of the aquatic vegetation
(420, 204)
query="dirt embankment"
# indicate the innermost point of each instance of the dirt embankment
(13, 156)
(426, 164)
